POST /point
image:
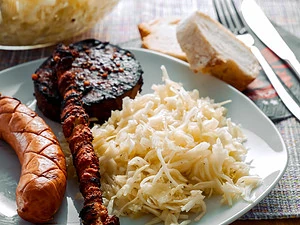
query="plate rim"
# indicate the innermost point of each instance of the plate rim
(175, 60)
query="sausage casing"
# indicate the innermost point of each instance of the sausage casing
(43, 178)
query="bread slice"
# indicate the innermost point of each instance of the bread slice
(160, 35)
(211, 48)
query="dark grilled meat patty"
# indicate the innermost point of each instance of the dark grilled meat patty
(105, 74)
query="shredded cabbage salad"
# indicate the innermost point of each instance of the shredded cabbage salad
(165, 152)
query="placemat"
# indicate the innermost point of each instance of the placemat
(284, 199)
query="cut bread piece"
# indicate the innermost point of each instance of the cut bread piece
(211, 48)
(160, 35)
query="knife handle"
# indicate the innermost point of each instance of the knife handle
(294, 63)
(289, 102)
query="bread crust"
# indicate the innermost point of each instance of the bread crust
(204, 55)
(160, 35)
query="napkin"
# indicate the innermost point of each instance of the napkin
(261, 91)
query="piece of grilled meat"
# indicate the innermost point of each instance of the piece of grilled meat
(75, 125)
(105, 74)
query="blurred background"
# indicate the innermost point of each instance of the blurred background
(129, 13)
(67, 19)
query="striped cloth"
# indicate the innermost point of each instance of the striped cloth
(121, 27)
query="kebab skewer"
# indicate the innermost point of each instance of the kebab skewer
(75, 126)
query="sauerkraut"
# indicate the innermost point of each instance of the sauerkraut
(165, 152)
(24, 22)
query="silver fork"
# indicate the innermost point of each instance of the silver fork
(229, 17)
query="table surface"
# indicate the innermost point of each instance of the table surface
(120, 26)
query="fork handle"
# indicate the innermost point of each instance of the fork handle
(289, 102)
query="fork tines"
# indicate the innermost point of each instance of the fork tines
(228, 15)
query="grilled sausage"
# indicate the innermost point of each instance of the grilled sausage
(75, 126)
(42, 184)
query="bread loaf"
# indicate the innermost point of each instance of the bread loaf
(211, 48)
(160, 35)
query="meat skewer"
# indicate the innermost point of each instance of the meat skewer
(75, 125)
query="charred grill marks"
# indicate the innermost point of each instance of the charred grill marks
(104, 72)
(75, 125)
(85, 80)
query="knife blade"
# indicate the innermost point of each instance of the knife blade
(266, 32)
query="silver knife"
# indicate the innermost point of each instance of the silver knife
(263, 28)
(289, 102)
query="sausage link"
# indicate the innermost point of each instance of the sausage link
(42, 183)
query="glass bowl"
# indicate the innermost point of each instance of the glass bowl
(30, 24)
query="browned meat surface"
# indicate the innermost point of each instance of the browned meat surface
(75, 124)
(43, 178)
(105, 74)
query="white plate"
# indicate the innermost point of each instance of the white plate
(267, 149)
